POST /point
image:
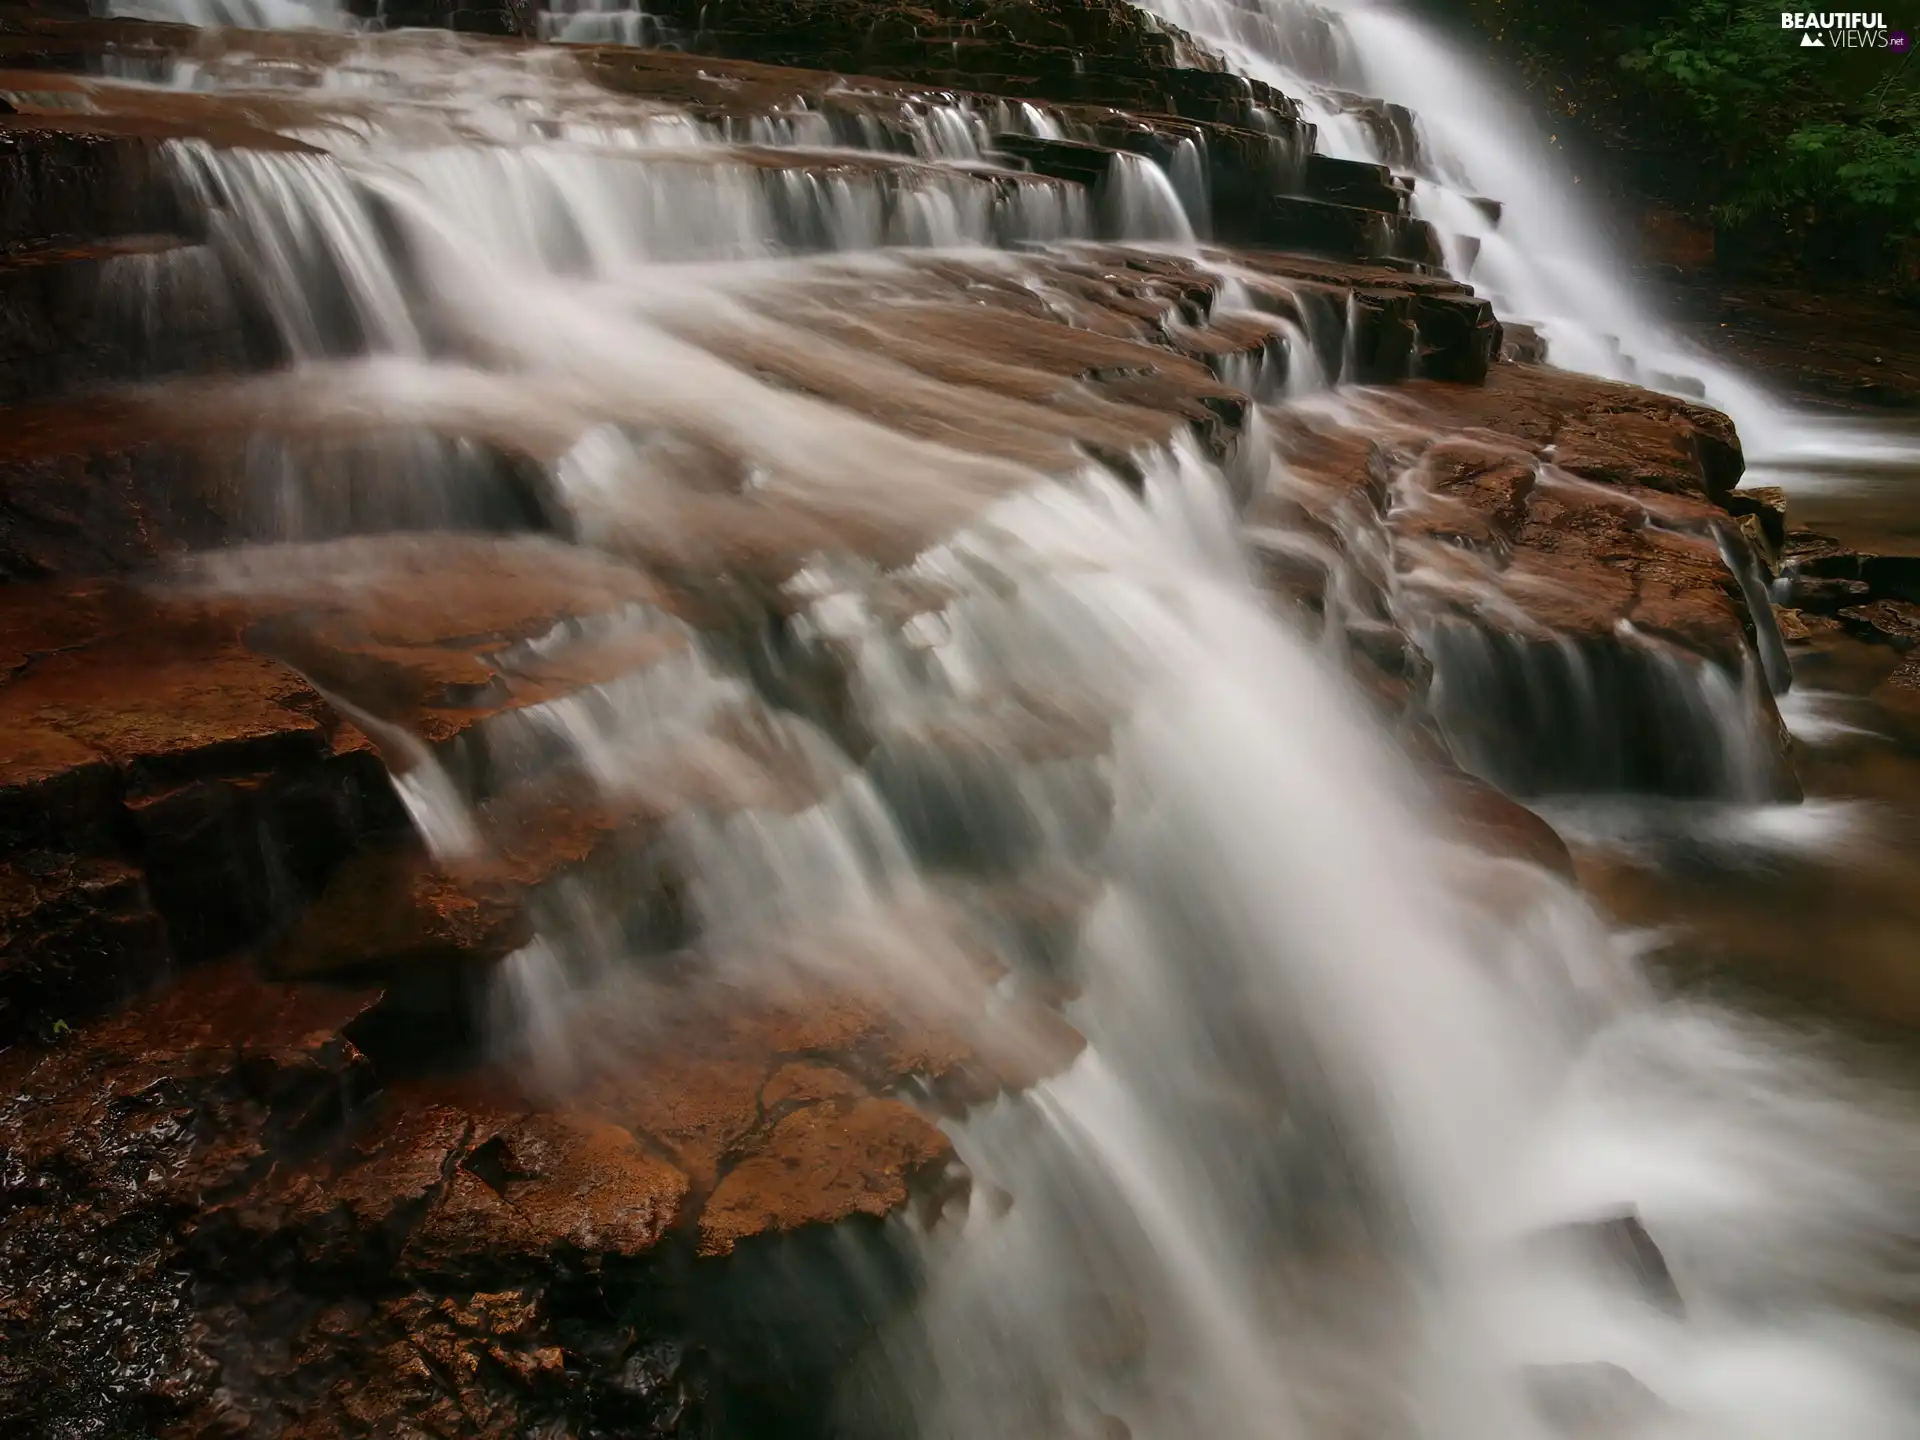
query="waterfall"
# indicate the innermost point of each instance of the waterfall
(1372, 1133)
(1545, 259)
(247, 14)
(1139, 201)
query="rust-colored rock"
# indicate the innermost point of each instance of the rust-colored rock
(317, 1255)
(467, 1182)
(1488, 818)
(116, 1136)
(422, 630)
(1888, 622)
(723, 1066)
(148, 715)
(1560, 541)
(149, 733)
(821, 1164)
(391, 909)
(545, 1185)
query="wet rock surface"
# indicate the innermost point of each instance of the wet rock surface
(219, 1220)
(1575, 530)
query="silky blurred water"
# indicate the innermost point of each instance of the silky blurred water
(1362, 1111)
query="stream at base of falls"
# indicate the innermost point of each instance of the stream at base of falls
(1374, 1135)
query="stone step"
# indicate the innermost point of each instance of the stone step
(135, 308)
(1372, 223)
(1395, 131)
(1072, 160)
(1320, 227)
(1387, 324)
(146, 741)
(79, 179)
(87, 489)
(317, 1149)
(1354, 182)
(1529, 511)
(174, 738)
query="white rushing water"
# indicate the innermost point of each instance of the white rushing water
(1546, 259)
(1370, 1128)
(246, 14)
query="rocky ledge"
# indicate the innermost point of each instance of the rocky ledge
(219, 1220)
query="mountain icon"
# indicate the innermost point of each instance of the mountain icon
(1812, 41)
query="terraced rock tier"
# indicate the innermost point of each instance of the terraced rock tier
(332, 590)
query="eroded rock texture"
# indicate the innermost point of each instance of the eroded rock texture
(217, 1222)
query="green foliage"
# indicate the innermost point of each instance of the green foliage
(1792, 134)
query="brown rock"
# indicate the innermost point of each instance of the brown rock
(1801, 627)
(391, 909)
(823, 1163)
(116, 1136)
(53, 788)
(802, 1082)
(1825, 594)
(75, 933)
(422, 630)
(1574, 523)
(1888, 622)
(127, 720)
(733, 1063)
(1505, 826)
(547, 1185)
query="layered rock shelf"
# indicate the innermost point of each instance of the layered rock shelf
(263, 1172)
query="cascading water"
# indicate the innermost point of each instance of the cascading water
(1369, 1126)
(1545, 259)
(247, 14)
(1140, 201)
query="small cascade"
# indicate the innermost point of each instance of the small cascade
(394, 480)
(317, 233)
(1744, 566)
(155, 302)
(601, 22)
(310, 243)
(1551, 715)
(243, 14)
(946, 132)
(1187, 172)
(1019, 117)
(1139, 202)
(1529, 688)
